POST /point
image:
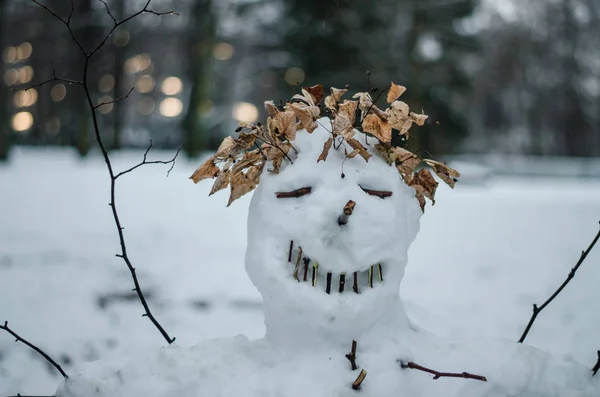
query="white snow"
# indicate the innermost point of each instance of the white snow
(483, 256)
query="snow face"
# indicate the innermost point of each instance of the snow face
(361, 263)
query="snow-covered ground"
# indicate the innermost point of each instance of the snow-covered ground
(485, 253)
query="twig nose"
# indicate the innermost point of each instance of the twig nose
(345, 216)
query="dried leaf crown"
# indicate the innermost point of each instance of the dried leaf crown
(239, 162)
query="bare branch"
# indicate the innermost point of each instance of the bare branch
(537, 310)
(114, 100)
(32, 346)
(145, 162)
(438, 374)
(107, 160)
(54, 78)
(66, 22)
(596, 367)
(116, 24)
(108, 11)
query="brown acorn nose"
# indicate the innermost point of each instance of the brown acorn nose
(348, 209)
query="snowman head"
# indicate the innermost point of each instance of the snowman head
(334, 214)
(310, 260)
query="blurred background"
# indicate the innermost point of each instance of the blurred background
(495, 76)
(512, 88)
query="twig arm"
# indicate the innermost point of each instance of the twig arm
(537, 310)
(438, 374)
(18, 338)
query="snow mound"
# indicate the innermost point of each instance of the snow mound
(324, 284)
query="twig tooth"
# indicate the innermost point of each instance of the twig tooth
(315, 274)
(298, 264)
(328, 287)
(355, 286)
(290, 253)
(342, 282)
(380, 272)
(359, 380)
(306, 262)
(370, 277)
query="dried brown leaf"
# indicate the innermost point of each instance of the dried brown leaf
(254, 173)
(395, 92)
(325, 152)
(387, 152)
(359, 148)
(421, 199)
(332, 101)
(250, 158)
(240, 184)
(425, 184)
(276, 163)
(207, 170)
(307, 114)
(271, 108)
(231, 147)
(447, 174)
(221, 182)
(419, 119)
(398, 116)
(343, 123)
(406, 161)
(316, 91)
(286, 124)
(377, 127)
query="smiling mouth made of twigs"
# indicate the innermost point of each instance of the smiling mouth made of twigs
(305, 270)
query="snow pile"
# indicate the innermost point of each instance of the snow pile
(309, 331)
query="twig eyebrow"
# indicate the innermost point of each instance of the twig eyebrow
(379, 193)
(295, 193)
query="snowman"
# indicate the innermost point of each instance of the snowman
(332, 217)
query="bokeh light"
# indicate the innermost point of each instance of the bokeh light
(246, 112)
(25, 98)
(9, 55)
(223, 51)
(106, 83)
(104, 109)
(58, 92)
(144, 84)
(146, 105)
(171, 107)
(294, 76)
(171, 85)
(24, 51)
(22, 121)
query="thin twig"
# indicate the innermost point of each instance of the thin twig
(113, 175)
(359, 380)
(116, 24)
(537, 310)
(596, 367)
(145, 162)
(295, 193)
(114, 100)
(54, 78)
(37, 349)
(438, 374)
(352, 356)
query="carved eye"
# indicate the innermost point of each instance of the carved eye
(294, 193)
(379, 193)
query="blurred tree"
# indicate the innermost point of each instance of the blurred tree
(200, 62)
(118, 10)
(413, 43)
(4, 98)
